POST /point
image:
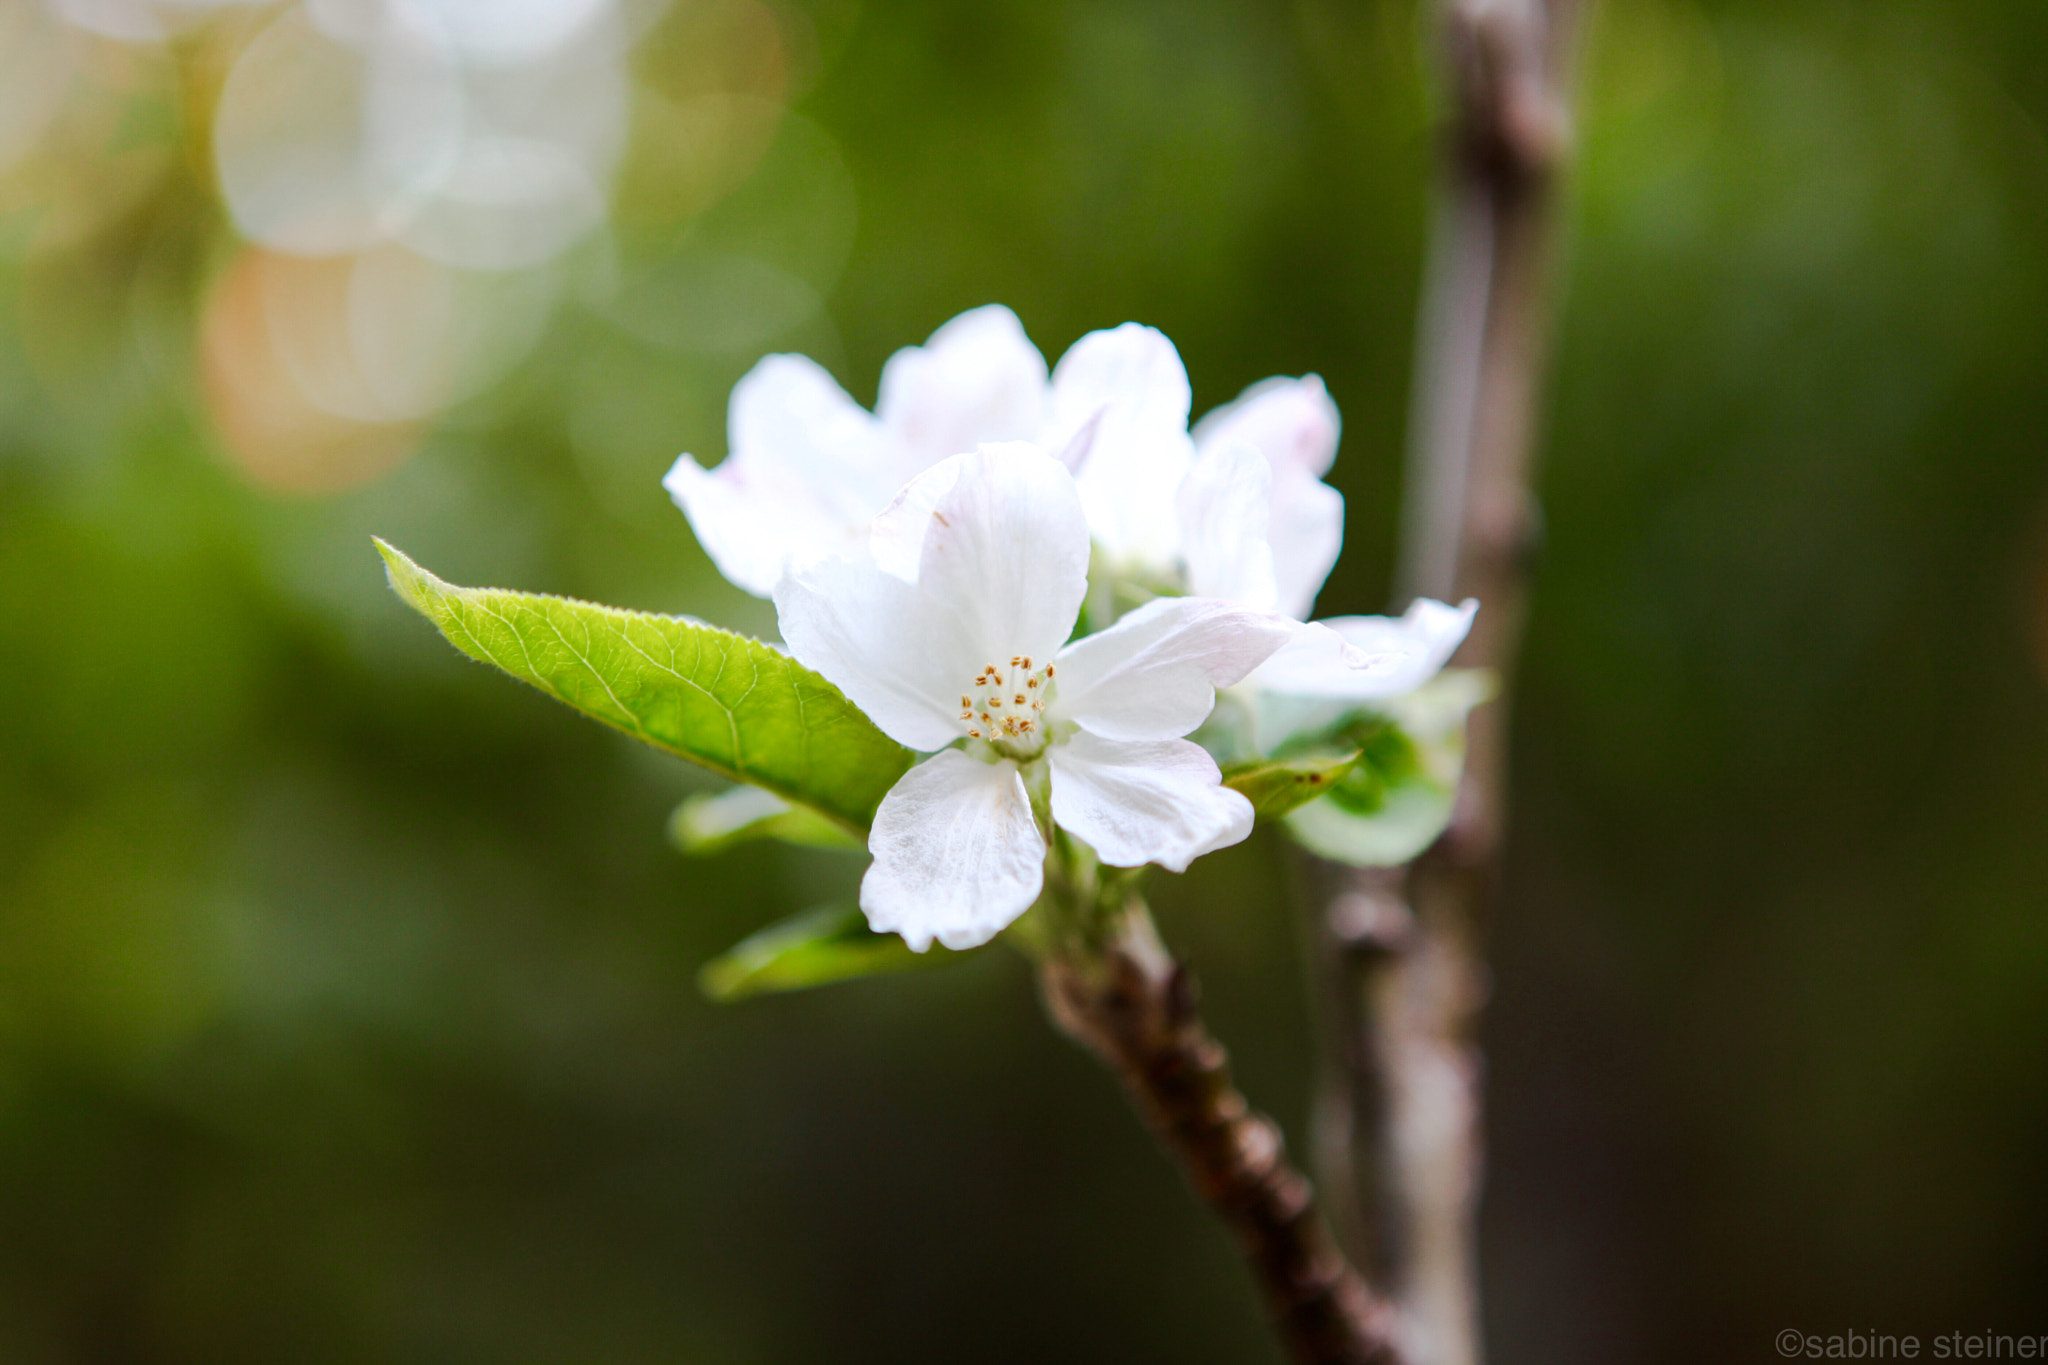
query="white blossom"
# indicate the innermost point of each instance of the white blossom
(1266, 517)
(809, 467)
(952, 635)
(1293, 423)
(1367, 658)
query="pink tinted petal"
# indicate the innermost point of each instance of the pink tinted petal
(1292, 421)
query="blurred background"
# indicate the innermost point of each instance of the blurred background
(347, 989)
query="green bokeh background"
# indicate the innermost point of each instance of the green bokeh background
(347, 999)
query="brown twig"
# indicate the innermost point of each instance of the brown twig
(1399, 976)
(1134, 1006)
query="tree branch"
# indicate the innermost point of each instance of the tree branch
(1134, 1007)
(1399, 977)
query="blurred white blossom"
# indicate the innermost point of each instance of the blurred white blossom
(134, 21)
(406, 172)
(478, 135)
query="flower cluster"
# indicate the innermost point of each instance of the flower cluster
(933, 559)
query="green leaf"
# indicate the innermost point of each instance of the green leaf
(831, 943)
(1279, 785)
(735, 705)
(1352, 756)
(708, 824)
(1387, 760)
(1406, 821)
(1395, 801)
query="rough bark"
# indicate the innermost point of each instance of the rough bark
(1400, 977)
(1134, 1007)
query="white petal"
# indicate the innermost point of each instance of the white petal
(1364, 658)
(1004, 555)
(871, 635)
(957, 853)
(1223, 519)
(1074, 453)
(1305, 528)
(1154, 674)
(792, 427)
(1002, 565)
(978, 379)
(1292, 422)
(1133, 368)
(807, 472)
(1132, 377)
(752, 532)
(1295, 426)
(896, 536)
(1158, 801)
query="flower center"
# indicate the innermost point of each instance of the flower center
(1006, 706)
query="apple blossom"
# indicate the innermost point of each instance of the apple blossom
(1293, 423)
(1367, 658)
(952, 636)
(809, 467)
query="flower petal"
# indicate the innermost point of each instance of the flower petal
(808, 469)
(1292, 422)
(871, 635)
(752, 532)
(958, 855)
(1305, 527)
(1003, 558)
(978, 379)
(1133, 378)
(1002, 564)
(1364, 658)
(896, 536)
(1132, 369)
(1157, 801)
(1223, 521)
(1295, 426)
(1154, 674)
(795, 430)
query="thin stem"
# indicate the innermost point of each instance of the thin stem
(1134, 1007)
(1399, 974)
